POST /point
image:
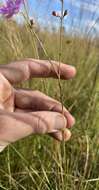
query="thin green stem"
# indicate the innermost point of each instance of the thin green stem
(60, 50)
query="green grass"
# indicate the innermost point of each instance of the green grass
(38, 163)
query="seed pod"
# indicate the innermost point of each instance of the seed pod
(68, 41)
(57, 14)
(31, 23)
(65, 13)
(54, 13)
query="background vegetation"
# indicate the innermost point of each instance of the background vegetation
(37, 163)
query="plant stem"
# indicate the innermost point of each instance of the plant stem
(60, 50)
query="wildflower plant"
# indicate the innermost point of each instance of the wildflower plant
(10, 8)
(68, 163)
(61, 16)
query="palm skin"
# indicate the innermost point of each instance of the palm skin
(24, 112)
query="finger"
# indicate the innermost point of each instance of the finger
(23, 70)
(14, 126)
(37, 101)
(62, 136)
(28, 101)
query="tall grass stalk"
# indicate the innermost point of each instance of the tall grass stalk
(35, 163)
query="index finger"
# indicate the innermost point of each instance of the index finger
(31, 68)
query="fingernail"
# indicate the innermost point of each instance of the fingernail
(66, 135)
(71, 71)
(3, 145)
(70, 119)
(63, 136)
(60, 122)
(2, 148)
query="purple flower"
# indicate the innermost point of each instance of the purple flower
(10, 8)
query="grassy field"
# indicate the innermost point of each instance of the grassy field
(38, 163)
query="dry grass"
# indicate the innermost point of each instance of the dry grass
(34, 163)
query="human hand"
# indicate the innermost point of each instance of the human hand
(24, 112)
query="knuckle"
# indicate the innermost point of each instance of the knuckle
(37, 92)
(3, 120)
(41, 127)
(5, 89)
(25, 70)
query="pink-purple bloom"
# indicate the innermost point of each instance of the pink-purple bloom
(10, 8)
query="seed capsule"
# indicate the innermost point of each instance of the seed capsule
(59, 14)
(65, 13)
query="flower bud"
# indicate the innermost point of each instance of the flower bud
(65, 13)
(57, 14)
(31, 24)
